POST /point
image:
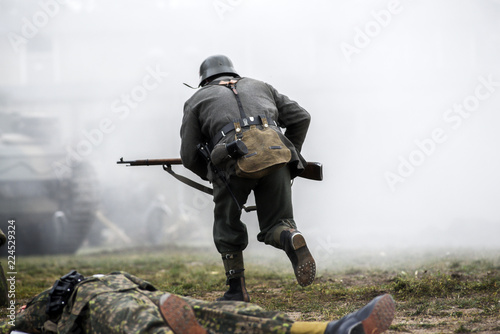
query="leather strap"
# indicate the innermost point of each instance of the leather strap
(244, 122)
(229, 127)
(189, 182)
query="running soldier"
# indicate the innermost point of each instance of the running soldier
(217, 118)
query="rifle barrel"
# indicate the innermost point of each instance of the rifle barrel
(151, 162)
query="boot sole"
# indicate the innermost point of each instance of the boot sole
(179, 315)
(305, 271)
(380, 317)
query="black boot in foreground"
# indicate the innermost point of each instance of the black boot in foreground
(234, 266)
(374, 318)
(304, 266)
(237, 290)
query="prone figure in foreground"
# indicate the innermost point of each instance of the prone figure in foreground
(122, 303)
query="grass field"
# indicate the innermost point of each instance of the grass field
(439, 291)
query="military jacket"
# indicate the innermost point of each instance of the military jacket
(88, 309)
(214, 106)
(122, 303)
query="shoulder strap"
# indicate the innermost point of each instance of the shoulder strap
(231, 84)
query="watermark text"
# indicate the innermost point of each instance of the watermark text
(454, 118)
(11, 273)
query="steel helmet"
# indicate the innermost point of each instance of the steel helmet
(215, 66)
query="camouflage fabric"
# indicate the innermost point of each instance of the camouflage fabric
(123, 303)
(239, 317)
(3, 280)
(116, 303)
(32, 319)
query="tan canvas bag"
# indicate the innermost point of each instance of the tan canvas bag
(266, 151)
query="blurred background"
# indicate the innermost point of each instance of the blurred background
(404, 97)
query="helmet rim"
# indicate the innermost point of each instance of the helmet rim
(216, 65)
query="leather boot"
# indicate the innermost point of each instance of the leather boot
(237, 290)
(179, 315)
(294, 245)
(374, 318)
(234, 266)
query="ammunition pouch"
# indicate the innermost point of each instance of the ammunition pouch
(61, 292)
(266, 151)
(236, 149)
(222, 153)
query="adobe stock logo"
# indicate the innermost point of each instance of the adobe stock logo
(454, 118)
(30, 27)
(223, 6)
(364, 36)
(121, 109)
(48, 9)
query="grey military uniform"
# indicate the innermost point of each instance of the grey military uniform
(212, 107)
(205, 114)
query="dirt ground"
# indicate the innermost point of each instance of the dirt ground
(452, 293)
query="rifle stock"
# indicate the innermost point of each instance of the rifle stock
(313, 170)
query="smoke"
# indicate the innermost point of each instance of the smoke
(404, 98)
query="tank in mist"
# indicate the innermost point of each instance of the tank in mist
(53, 213)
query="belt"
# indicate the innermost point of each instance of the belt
(228, 128)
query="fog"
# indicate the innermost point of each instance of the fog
(404, 98)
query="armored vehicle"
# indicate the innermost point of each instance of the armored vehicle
(52, 212)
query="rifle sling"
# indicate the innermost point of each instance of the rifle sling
(198, 186)
(189, 182)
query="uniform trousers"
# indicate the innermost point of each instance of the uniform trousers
(273, 198)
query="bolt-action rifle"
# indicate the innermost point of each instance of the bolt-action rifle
(313, 171)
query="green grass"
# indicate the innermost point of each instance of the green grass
(435, 292)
